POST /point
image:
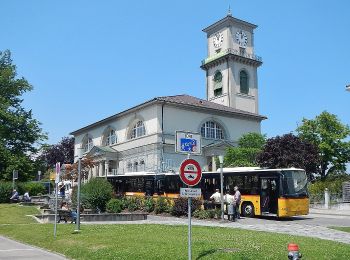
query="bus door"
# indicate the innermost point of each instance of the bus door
(268, 195)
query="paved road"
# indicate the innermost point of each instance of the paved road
(13, 250)
(313, 225)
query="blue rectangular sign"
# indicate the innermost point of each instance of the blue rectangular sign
(188, 145)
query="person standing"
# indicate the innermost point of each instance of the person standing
(237, 198)
(231, 206)
(217, 198)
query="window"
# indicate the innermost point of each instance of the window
(136, 166)
(111, 138)
(212, 130)
(217, 83)
(142, 165)
(88, 144)
(243, 81)
(138, 130)
(129, 167)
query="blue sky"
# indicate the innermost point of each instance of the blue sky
(91, 59)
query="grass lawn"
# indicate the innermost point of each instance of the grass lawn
(168, 242)
(16, 214)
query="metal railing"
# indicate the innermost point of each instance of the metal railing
(235, 52)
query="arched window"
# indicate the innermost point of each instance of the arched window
(243, 81)
(138, 130)
(111, 137)
(212, 130)
(217, 83)
(88, 144)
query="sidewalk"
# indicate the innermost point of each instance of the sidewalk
(336, 212)
(10, 249)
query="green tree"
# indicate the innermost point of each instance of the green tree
(19, 132)
(249, 146)
(329, 135)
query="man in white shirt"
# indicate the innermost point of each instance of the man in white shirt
(217, 198)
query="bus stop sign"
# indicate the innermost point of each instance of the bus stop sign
(190, 172)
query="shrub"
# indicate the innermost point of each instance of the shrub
(334, 185)
(96, 193)
(161, 205)
(34, 188)
(132, 203)
(180, 207)
(114, 206)
(5, 191)
(205, 214)
(149, 204)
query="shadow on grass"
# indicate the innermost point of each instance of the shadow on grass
(213, 251)
(206, 252)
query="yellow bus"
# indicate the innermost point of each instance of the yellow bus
(269, 192)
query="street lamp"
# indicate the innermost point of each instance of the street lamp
(80, 155)
(221, 159)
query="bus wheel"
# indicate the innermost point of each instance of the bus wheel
(248, 210)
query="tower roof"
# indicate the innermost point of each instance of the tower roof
(227, 21)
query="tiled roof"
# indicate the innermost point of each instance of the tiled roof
(201, 103)
(181, 100)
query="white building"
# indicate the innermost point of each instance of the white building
(142, 138)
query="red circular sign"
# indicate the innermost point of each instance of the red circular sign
(190, 172)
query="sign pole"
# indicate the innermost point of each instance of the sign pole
(57, 179)
(56, 198)
(189, 224)
(189, 229)
(13, 179)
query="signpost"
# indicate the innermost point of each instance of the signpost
(57, 179)
(187, 142)
(190, 174)
(14, 177)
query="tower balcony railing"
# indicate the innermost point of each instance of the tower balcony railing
(235, 52)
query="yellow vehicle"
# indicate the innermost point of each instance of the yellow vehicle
(272, 192)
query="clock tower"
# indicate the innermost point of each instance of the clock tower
(231, 65)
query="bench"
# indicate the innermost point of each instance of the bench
(65, 215)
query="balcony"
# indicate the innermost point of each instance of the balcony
(233, 52)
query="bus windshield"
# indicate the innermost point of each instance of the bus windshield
(294, 183)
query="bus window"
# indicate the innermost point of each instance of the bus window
(294, 183)
(232, 181)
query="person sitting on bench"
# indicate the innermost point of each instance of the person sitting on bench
(72, 214)
(15, 196)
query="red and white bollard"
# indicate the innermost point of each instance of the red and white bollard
(293, 252)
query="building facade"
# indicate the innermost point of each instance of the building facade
(142, 138)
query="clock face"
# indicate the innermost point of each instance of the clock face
(241, 38)
(218, 39)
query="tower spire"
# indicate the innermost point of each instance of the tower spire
(229, 11)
